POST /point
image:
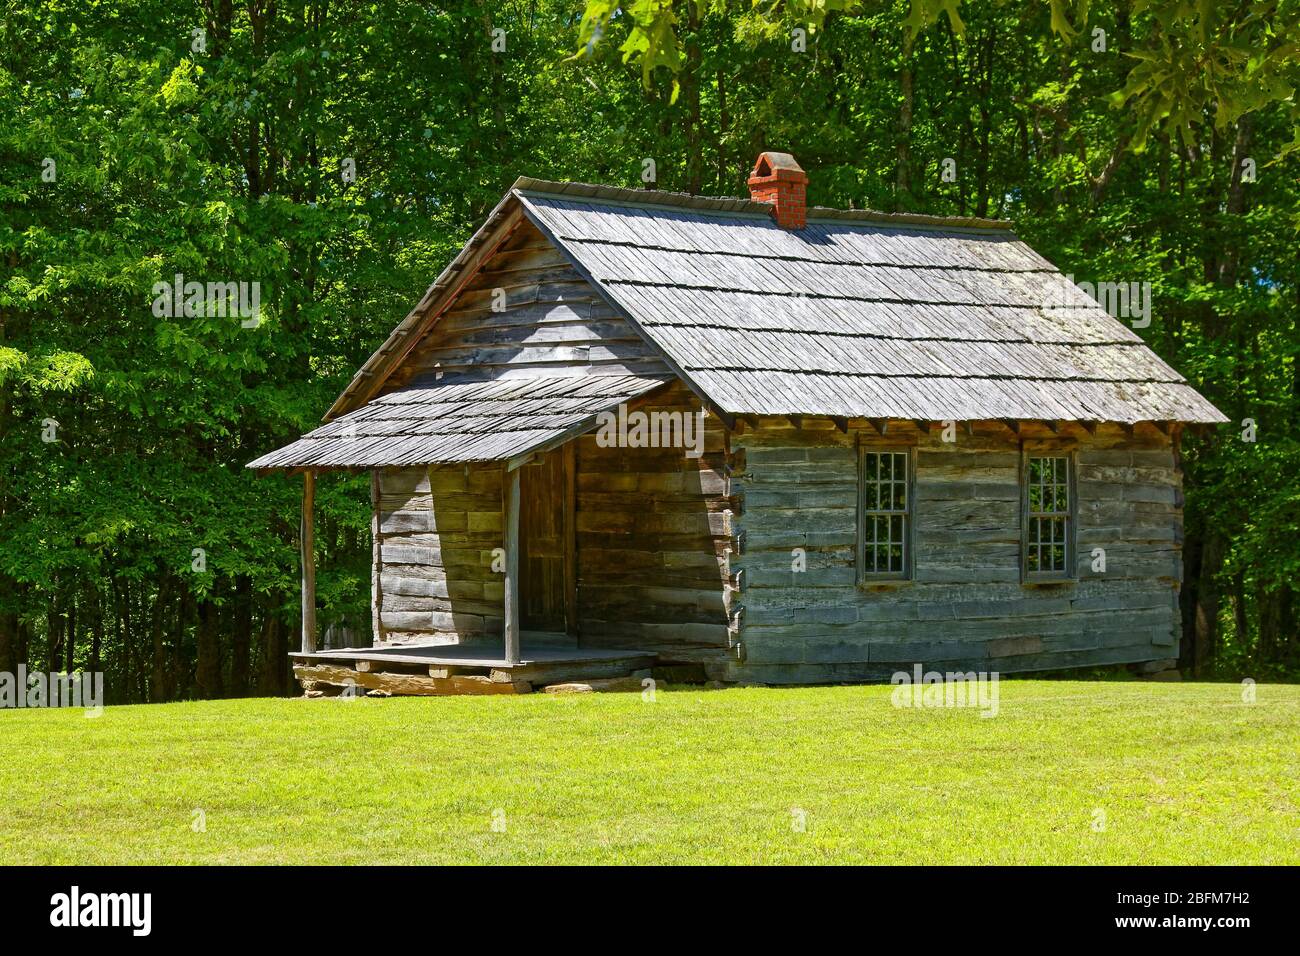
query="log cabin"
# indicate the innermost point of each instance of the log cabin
(627, 428)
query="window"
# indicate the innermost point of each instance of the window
(1049, 522)
(884, 514)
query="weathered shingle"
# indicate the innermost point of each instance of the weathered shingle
(460, 422)
(859, 314)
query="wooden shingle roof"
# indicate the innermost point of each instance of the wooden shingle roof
(461, 421)
(858, 314)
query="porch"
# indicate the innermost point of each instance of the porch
(470, 669)
(511, 546)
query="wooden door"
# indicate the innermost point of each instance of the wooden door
(545, 541)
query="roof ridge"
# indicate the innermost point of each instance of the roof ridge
(733, 204)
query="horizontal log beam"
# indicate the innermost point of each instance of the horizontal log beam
(406, 684)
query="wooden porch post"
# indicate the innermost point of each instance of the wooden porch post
(510, 502)
(570, 530)
(307, 541)
(376, 561)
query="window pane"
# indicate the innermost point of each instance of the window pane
(886, 505)
(1047, 504)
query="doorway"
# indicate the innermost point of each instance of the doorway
(547, 543)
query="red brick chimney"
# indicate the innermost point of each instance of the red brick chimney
(777, 178)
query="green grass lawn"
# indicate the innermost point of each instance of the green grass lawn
(1067, 772)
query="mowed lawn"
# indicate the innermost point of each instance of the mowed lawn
(1067, 772)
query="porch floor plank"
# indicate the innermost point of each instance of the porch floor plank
(477, 656)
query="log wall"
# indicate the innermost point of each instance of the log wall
(437, 531)
(966, 605)
(654, 528)
(551, 322)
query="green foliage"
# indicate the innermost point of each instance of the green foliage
(1223, 57)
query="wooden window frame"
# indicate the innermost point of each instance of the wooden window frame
(863, 576)
(1071, 570)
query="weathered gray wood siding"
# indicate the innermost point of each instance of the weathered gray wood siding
(552, 322)
(438, 526)
(437, 530)
(654, 529)
(966, 605)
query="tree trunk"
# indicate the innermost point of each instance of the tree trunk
(242, 636)
(122, 603)
(1230, 261)
(182, 679)
(70, 637)
(96, 631)
(1277, 627)
(8, 642)
(1240, 617)
(986, 123)
(1187, 598)
(725, 174)
(23, 651)
(690, 88)
(119, 680)
(53, 632)
(271, 681)
(1206, 633)
(903, 143)
(207, 672)
(159, 680)
(10, 623)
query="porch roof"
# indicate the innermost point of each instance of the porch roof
(460, 421)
